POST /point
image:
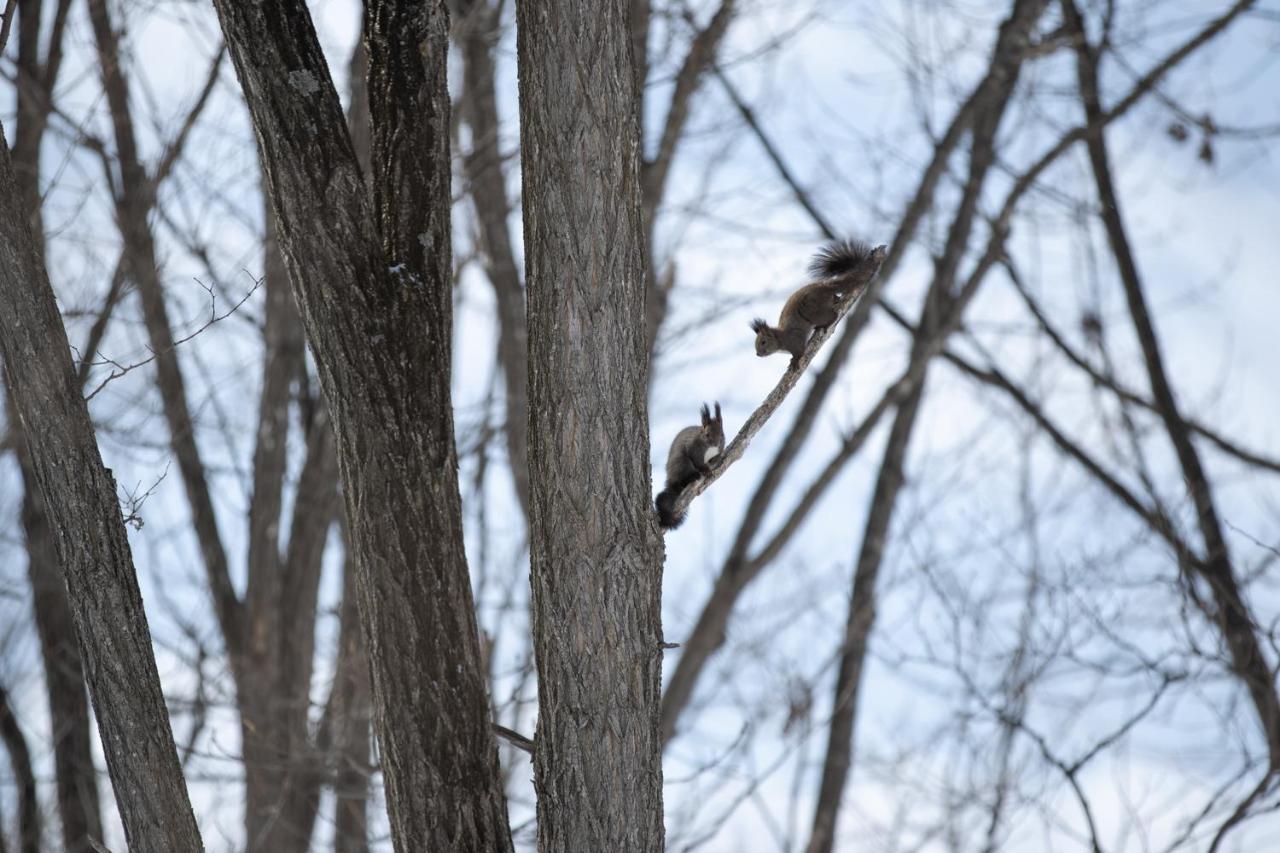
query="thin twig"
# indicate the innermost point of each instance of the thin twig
(10, 9)
(122, 369)
(513, 737)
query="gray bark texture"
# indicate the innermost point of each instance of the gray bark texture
(76, 778)
(80, 498)
(373, 284)
(595, 549)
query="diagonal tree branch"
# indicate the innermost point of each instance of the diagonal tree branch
(132, 209)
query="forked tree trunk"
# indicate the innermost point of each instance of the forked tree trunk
(373, 284)
(595, 549)
(80, 497)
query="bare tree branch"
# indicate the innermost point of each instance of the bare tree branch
(1232, 615)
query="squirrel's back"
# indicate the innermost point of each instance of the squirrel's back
(678, 467)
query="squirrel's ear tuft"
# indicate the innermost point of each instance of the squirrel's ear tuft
(758, 325)
(719, 419)
(706, 415)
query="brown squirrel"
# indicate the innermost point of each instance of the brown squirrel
(689, 458)
(812, 307)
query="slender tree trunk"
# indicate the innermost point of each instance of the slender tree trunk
(862, 613)
(15, 743)
(132, 211)
(478, 36)
(596, 553)
(76, 777)
(374, 290)
(93, 551)
(1230, 611)
(1006, 62)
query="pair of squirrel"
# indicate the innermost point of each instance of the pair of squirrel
(810, 309)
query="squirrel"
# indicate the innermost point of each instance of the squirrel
(812, 307)
(689, 458)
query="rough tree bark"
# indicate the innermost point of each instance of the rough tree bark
(595, 550)
(76, 779)
(374, 289)
(80, 496)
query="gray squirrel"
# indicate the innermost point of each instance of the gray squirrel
(689, 458)
(814, 305)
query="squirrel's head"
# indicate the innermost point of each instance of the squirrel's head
(713, 427)
(766, 338)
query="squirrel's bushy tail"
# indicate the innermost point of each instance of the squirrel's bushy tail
(838, 258)
(665, 503)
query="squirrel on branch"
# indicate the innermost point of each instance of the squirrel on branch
(812, 307)
(689, 458)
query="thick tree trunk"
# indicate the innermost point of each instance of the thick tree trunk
(375, 298)
(596, 553)
(92, 549)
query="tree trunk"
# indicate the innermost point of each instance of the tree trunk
(76, 777)
(351, 740)
(93, 551)
(478, 36)
(375, 298)
(595, 550)
(15, 743)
